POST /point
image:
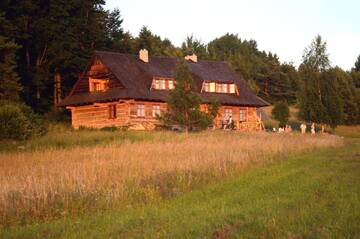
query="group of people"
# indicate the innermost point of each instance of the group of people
(303, 128)
(227, 123)
(286, 129)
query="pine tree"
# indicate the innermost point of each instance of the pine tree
(183, 103)
(194, 46)
(331, 100)
(9, 79)
(347, 92)
(357, 64)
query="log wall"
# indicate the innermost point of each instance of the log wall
(97, 116)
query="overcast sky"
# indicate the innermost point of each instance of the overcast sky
(280, 26)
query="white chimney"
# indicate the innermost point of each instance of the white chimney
(144, 55)
(192, 58)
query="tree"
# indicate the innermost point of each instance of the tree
(9, 79)
(331, 100)
(319, 101)
(57, 38)
(183, 103)
(281, 113)
(357, 64)
(346, 90)
(154, 44)
(315, 56)
(355, 73)
(194, 46)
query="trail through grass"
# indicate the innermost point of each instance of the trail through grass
(314, 195)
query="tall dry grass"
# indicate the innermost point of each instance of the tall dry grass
(43, 185)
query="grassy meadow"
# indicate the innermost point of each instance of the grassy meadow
(165, 184)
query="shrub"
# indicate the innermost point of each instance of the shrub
(59, 115)
(110, 128)
(18, 121)
(281, 113)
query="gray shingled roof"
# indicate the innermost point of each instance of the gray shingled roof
(136, 77)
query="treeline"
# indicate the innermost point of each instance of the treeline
(45, 40)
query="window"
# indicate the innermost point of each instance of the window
(155, 110)
(219, 88)
(140, 110)
(157, 84)
(224, 88)
(96, 85)
(228, 113)
(212, 87)
(162, 84)
(232, 88)
(242, 116)
(171, 85)
(206, 87)
(112, 111)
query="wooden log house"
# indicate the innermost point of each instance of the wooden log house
(125, 90)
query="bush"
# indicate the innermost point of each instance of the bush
(59, 116)
(110, 128)
(18, 121)
(281, 113)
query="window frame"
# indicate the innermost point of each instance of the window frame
(242, 114)
(232, 88)
(172, 85)
(156, 111)
(228, 112)
(140, 110)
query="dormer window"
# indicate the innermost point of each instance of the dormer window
(232, 88)
(162, 83)
(171, 84)
(97, 85)
(219, 87)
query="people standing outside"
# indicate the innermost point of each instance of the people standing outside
(312, 128)
(303, 128)
(229, 123)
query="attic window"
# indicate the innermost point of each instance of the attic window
(97, 85)
(217, 87)
(160, 83)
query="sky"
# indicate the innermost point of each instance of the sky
(279, 26)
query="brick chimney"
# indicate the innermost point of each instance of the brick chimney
(192, 58)
(144, 55)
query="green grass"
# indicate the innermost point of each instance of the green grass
(315, 195)
(63, 136)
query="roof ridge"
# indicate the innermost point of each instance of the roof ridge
(154, 56)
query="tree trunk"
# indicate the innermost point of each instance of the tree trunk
(57, 88)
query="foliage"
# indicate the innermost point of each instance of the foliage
(58, 36)
(357, 64)
(19, 122)
(194, 46)
(327, 94)
(154, 44)
(9, 79)
(347, 91)
(315, 56)
(281, 113)
(262, 71)
(184, 103)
